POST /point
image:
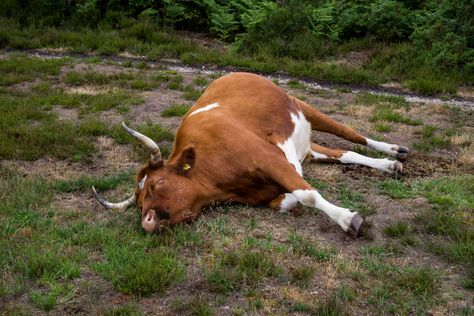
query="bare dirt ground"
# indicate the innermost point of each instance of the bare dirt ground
(95, 295)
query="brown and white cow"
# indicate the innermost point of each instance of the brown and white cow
(244, 140)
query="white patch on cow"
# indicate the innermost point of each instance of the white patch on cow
(390, 149)
(288, 203)
(317, 155)
(381, 164)
(312, 198)
(141, 185)
(297, 146)
(206, 108)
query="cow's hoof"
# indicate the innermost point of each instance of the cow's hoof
(402, 153)
(355, 227)
(398, 168)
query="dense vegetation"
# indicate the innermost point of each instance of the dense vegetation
(427, 45)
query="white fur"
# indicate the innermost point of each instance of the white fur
(288, 203)
(206, 108)
(297, 146)
(381, 164)
(390, 149)
(317, 155)
(312, 198)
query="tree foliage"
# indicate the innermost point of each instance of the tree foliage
(441, 30)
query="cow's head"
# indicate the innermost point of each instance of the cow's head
(165, 193)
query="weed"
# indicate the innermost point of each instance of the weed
(389, 115)
(302, 275)
(201, 81)
(396, 230)
(47, 264)
(396, 189)
(174, 83)
(430, 86)
(101, 183)
(19, 68)
(382, 127)
(421, 281)
(303, 247)
(295, 84)
(400, 230)
(140, 84)
(429, 139)
(175, 110)
(376, 99)
(191, 94)
(132, 270)
(236, 268)
(354, 201)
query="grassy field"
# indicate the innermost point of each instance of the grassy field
(358, 61)
(63, 254)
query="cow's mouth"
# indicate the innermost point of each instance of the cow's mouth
(149, 221)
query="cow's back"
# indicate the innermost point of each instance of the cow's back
(254, 102)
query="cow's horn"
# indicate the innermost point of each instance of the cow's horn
(150, 144)
(107, 204)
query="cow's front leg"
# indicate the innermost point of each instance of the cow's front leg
(285, 174)
(349, 221)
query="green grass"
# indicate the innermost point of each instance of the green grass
(400, 230)
(354, 201)
(451, 198)
(302, 275)
(176, 110)
(301, 246)
(388, 62)
(387, 114)
(395, 189)
(382, 127)
(191, 94)
(366, 98)
(236, 268)
(431, 140)
(201, 81)
(101, 183)
(20, 68)
(133, 270)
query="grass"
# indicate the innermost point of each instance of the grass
(176, 110)
(134, 271)
(20, 68)
(237, 268)
(366, 98)
(451, 197)
(387, 114)
(430, 140)
(60, 250)
(302, 275)
(400, 230)
(388, 62)
(303, 247)
(354, 201)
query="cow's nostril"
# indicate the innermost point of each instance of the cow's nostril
(149, 217)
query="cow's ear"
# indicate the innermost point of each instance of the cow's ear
(186, 161)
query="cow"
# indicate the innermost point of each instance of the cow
(244, 141)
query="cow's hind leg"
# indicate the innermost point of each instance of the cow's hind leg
(323, 123)
(321, 153)
(283, 203)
